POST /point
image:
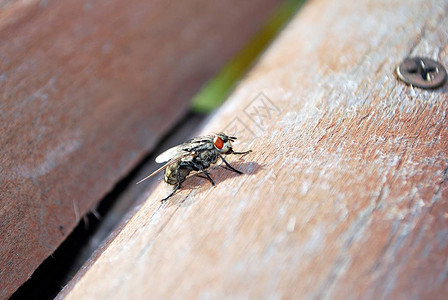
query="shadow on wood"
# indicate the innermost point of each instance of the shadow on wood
(196, 183)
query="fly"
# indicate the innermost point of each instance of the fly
(197, 154)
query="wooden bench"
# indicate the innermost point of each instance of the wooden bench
(85, 87)
(344, 194)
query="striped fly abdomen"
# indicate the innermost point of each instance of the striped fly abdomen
(175, 172)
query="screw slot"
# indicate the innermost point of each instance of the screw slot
(422, 72)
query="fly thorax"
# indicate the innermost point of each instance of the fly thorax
(206, 158)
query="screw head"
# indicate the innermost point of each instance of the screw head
(422, 72)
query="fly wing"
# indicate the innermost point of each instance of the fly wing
(171, 162)
(184, 149)
(172, 153)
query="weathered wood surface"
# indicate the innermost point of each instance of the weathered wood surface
(345, 193)
(85, 88)
(129, 201)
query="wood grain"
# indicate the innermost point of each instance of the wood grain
(344, 195)
(87, 88)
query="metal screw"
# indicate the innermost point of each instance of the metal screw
(422, 72)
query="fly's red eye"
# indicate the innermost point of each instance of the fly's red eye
(218, 142)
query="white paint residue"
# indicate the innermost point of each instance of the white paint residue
(316, 240)
(306, 185)
(291, 224)
(53, 157)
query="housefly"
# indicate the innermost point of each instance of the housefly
(194, 155)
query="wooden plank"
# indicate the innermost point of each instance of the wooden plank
(132, 197)
(344, 193)
(87, 88)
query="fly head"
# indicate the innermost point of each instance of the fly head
(223, 143)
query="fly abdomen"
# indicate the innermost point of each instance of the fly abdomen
(175, 173)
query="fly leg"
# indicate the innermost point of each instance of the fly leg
(175, 188)
(242, 153)
(172, 193)
(229, 166)
(207, 174)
